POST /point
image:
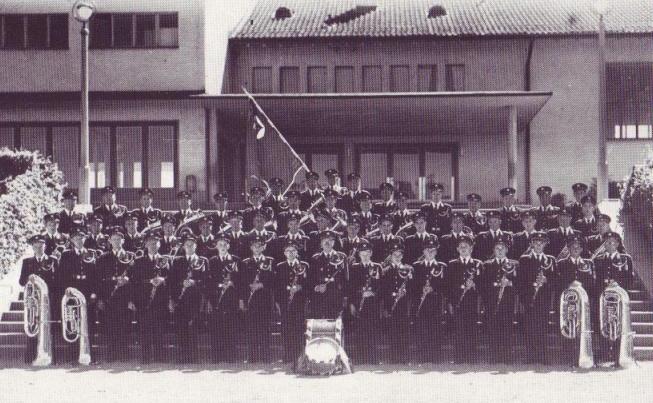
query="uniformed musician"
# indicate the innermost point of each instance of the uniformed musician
(612, 266)
(69, 219)
(224, 290)
(259, 219)
(292, 292)
(398, 290)
(402, 217)
(170, 244)
(96, 239)
(382, 242)
(474, 217)
(323, 223)
(115, 295)
(327, 277)
(221, 214)
(369, 221)
(292, 197)
(580, 191)
(333, 181)
(185, 281)
(521, 241)
(185, 211)
(206, 240)
(55, 241)
(77, 269)
(462, 278)
(312, 192)
(257, 293)
(438, 213)
(276, 200)
(111, 212)
(351, 239)
(547, 213)
(349, 199)
(587, 222)
(150, 296)
(537, 278)
(388, 204)
(485, 241)
(257, 195)
(499, 285)
(596, 243)
(414, 244)
(294, 234)
(237, 237)
(428, 302)
(133, 239)
(558, 236)
(146, 214)
(449, 242)
(338, 217)
(510, 214)
(364, 298)
(45, 267)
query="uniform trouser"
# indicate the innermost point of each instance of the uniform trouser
(150, 333)
(292, 332)
(465, 329)
(535, 331)
(428, 330)
(399, 338)
(608, 350)
(365, 333)
(118, 324)
(223, 327)
(258, 327)
(499, 328)
(186, 329)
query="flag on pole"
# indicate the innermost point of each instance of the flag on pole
(268, 152)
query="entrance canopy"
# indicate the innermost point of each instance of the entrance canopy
(448, 111)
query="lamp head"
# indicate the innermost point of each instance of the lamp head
(83, 10)
(600, 7)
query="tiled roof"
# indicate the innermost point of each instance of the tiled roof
(308, 18)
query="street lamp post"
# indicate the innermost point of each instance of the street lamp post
(600, 7)
(83, 11)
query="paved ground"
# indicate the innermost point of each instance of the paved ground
(448, 383)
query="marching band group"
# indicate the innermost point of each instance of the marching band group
(326, 253)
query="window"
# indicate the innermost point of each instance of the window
(149, 30)
(289, 80)
(454, 77)
(317, 79)
(399, 79)
(127, 155)
(629, 92)
(320, 157)
(262, 80)
(409, 167)
(34, 31)
(372, 80)
(344, 79)
(427, 78)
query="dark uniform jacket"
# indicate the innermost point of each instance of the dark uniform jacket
(206, 246)
(112, 265)
(400, 219)
(111, 218)
(364, 288)
(558, 240)
(258, 270)
(369, 221)
(399, 289)
(146, 217)
(529, 267)
(484, 243)
(438, 217)
(292, 285)
(68, 222)
(414, 245)
(381, 246)
(520, 244)
(47, 269)
(308, 197)
(193, 268)
(77, 273)
(547, 217)
(448, 247)
(430, 304)
(456, 275)
(248, 216)
(223, 283)
(494, 271)
(330, 270)
(98, 242)
(276, 250)
(617, 266)
(586, 227)
(55, 241)
(580, 269)
(476, 222)
(282, 220)
(349, 202)
(511, 219)
(133, 242)
(381, 208)
(144, 296)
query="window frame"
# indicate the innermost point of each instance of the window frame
(615, 118)
(112, 125)
(25, 35)
(134, 41)
(448, 76)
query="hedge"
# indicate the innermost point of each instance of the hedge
(637, 197)
(31, 186)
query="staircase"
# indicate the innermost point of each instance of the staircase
(12, 337)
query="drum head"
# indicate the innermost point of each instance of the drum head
(322, 351)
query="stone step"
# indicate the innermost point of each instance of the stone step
(643, 340)
(643, 353)
(8, 327)
(640, 305)
(641, 316)
(17, 306)
(12, 316)
(643, 327)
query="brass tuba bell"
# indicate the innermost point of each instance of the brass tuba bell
(615, 321)
(575, 321)
(37, 318)
(74, 323)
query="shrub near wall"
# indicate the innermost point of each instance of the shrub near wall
(31, 186)
(637, 197)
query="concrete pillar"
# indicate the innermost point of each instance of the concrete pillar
(512, 146)
(211, 153)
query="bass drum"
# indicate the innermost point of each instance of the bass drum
(324, 353)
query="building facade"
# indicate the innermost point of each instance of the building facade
(475, 96)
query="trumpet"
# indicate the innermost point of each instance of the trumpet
(37, 318)
(468, 284)
(74, 322)
(615, 321)
(367, 291)
(400, 293)
(539, 281)
(253, 290)
(575, 320)
(120, 282)
(506, 268)
(426, 290)
(226, 284)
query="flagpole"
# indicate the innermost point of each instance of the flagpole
(291, 182)
(275, 128)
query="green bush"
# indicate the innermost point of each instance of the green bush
(637, 196)
(31, 188)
